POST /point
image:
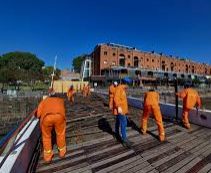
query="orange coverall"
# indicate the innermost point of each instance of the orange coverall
(88, 90)
(70, 95)
(111, 96)
(190, 99)
(151, 105)
(120, 99)
(84, 91)
(51, 112)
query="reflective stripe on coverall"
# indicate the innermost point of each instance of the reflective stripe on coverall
(151, 105)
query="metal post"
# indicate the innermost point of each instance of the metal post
(176, 97)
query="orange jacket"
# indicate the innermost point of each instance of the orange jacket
(151, 98)
(70, 92)
(50, 105)
(120, 99)
(111, 91)
(190, 98)
(84, 90)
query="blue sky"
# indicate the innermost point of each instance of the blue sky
(68, 28)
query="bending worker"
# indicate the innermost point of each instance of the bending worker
(151, 105)
(84, 90)
(121, 105)
(111, 91)
(70, 94)
(190, 98)
(51, 112)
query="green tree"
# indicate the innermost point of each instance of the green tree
(77, 62)
(21, 66)
(48, 71)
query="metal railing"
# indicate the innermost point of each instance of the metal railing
(8, 143)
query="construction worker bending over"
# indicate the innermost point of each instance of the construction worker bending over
(190, 98)
(51, 112)
(111, 92)
(70, 94)
(88, 90)
(151, 105)
(84, 90)
(120, 103)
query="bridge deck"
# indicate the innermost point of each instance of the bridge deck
(92, 147)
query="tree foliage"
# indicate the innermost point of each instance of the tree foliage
(77, 62)
(21, 66)
(48, 71)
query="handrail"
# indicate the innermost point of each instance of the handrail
(12, 135)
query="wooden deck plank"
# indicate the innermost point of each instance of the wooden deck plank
(205, 169)
(179, 164)
(189, 165)
(122, 166)
(97, 164)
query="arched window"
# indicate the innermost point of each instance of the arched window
(193, 70)
(122, 60)
(172, 66)
(163, 66)
(186, 68)
(135, 61)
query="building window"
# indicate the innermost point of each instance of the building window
(172, 66)
(122, 60)
(147, 59)
(193, 70)
(128, 64)
(113, 63)
(205, 71)
(186, 68)
(135, 61)
(129, 56)
(105, 52)
(152, 60)
(114, 54)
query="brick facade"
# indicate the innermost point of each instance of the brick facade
(106, 56)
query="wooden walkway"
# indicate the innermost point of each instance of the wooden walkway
(92, 147)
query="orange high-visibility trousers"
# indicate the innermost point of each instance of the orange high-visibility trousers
(58, 122)
(111, 102)
(71, 99)
(185, 117)
(158, 118)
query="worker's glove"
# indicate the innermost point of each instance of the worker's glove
(119, 110)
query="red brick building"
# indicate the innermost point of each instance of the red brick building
(106, 57)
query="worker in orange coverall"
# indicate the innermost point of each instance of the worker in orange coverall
(111, 92)
(70, 94)
(51, 112)
(190, 98)
(151, 105)
(121, 105)
(84, 90)
(88, 90)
